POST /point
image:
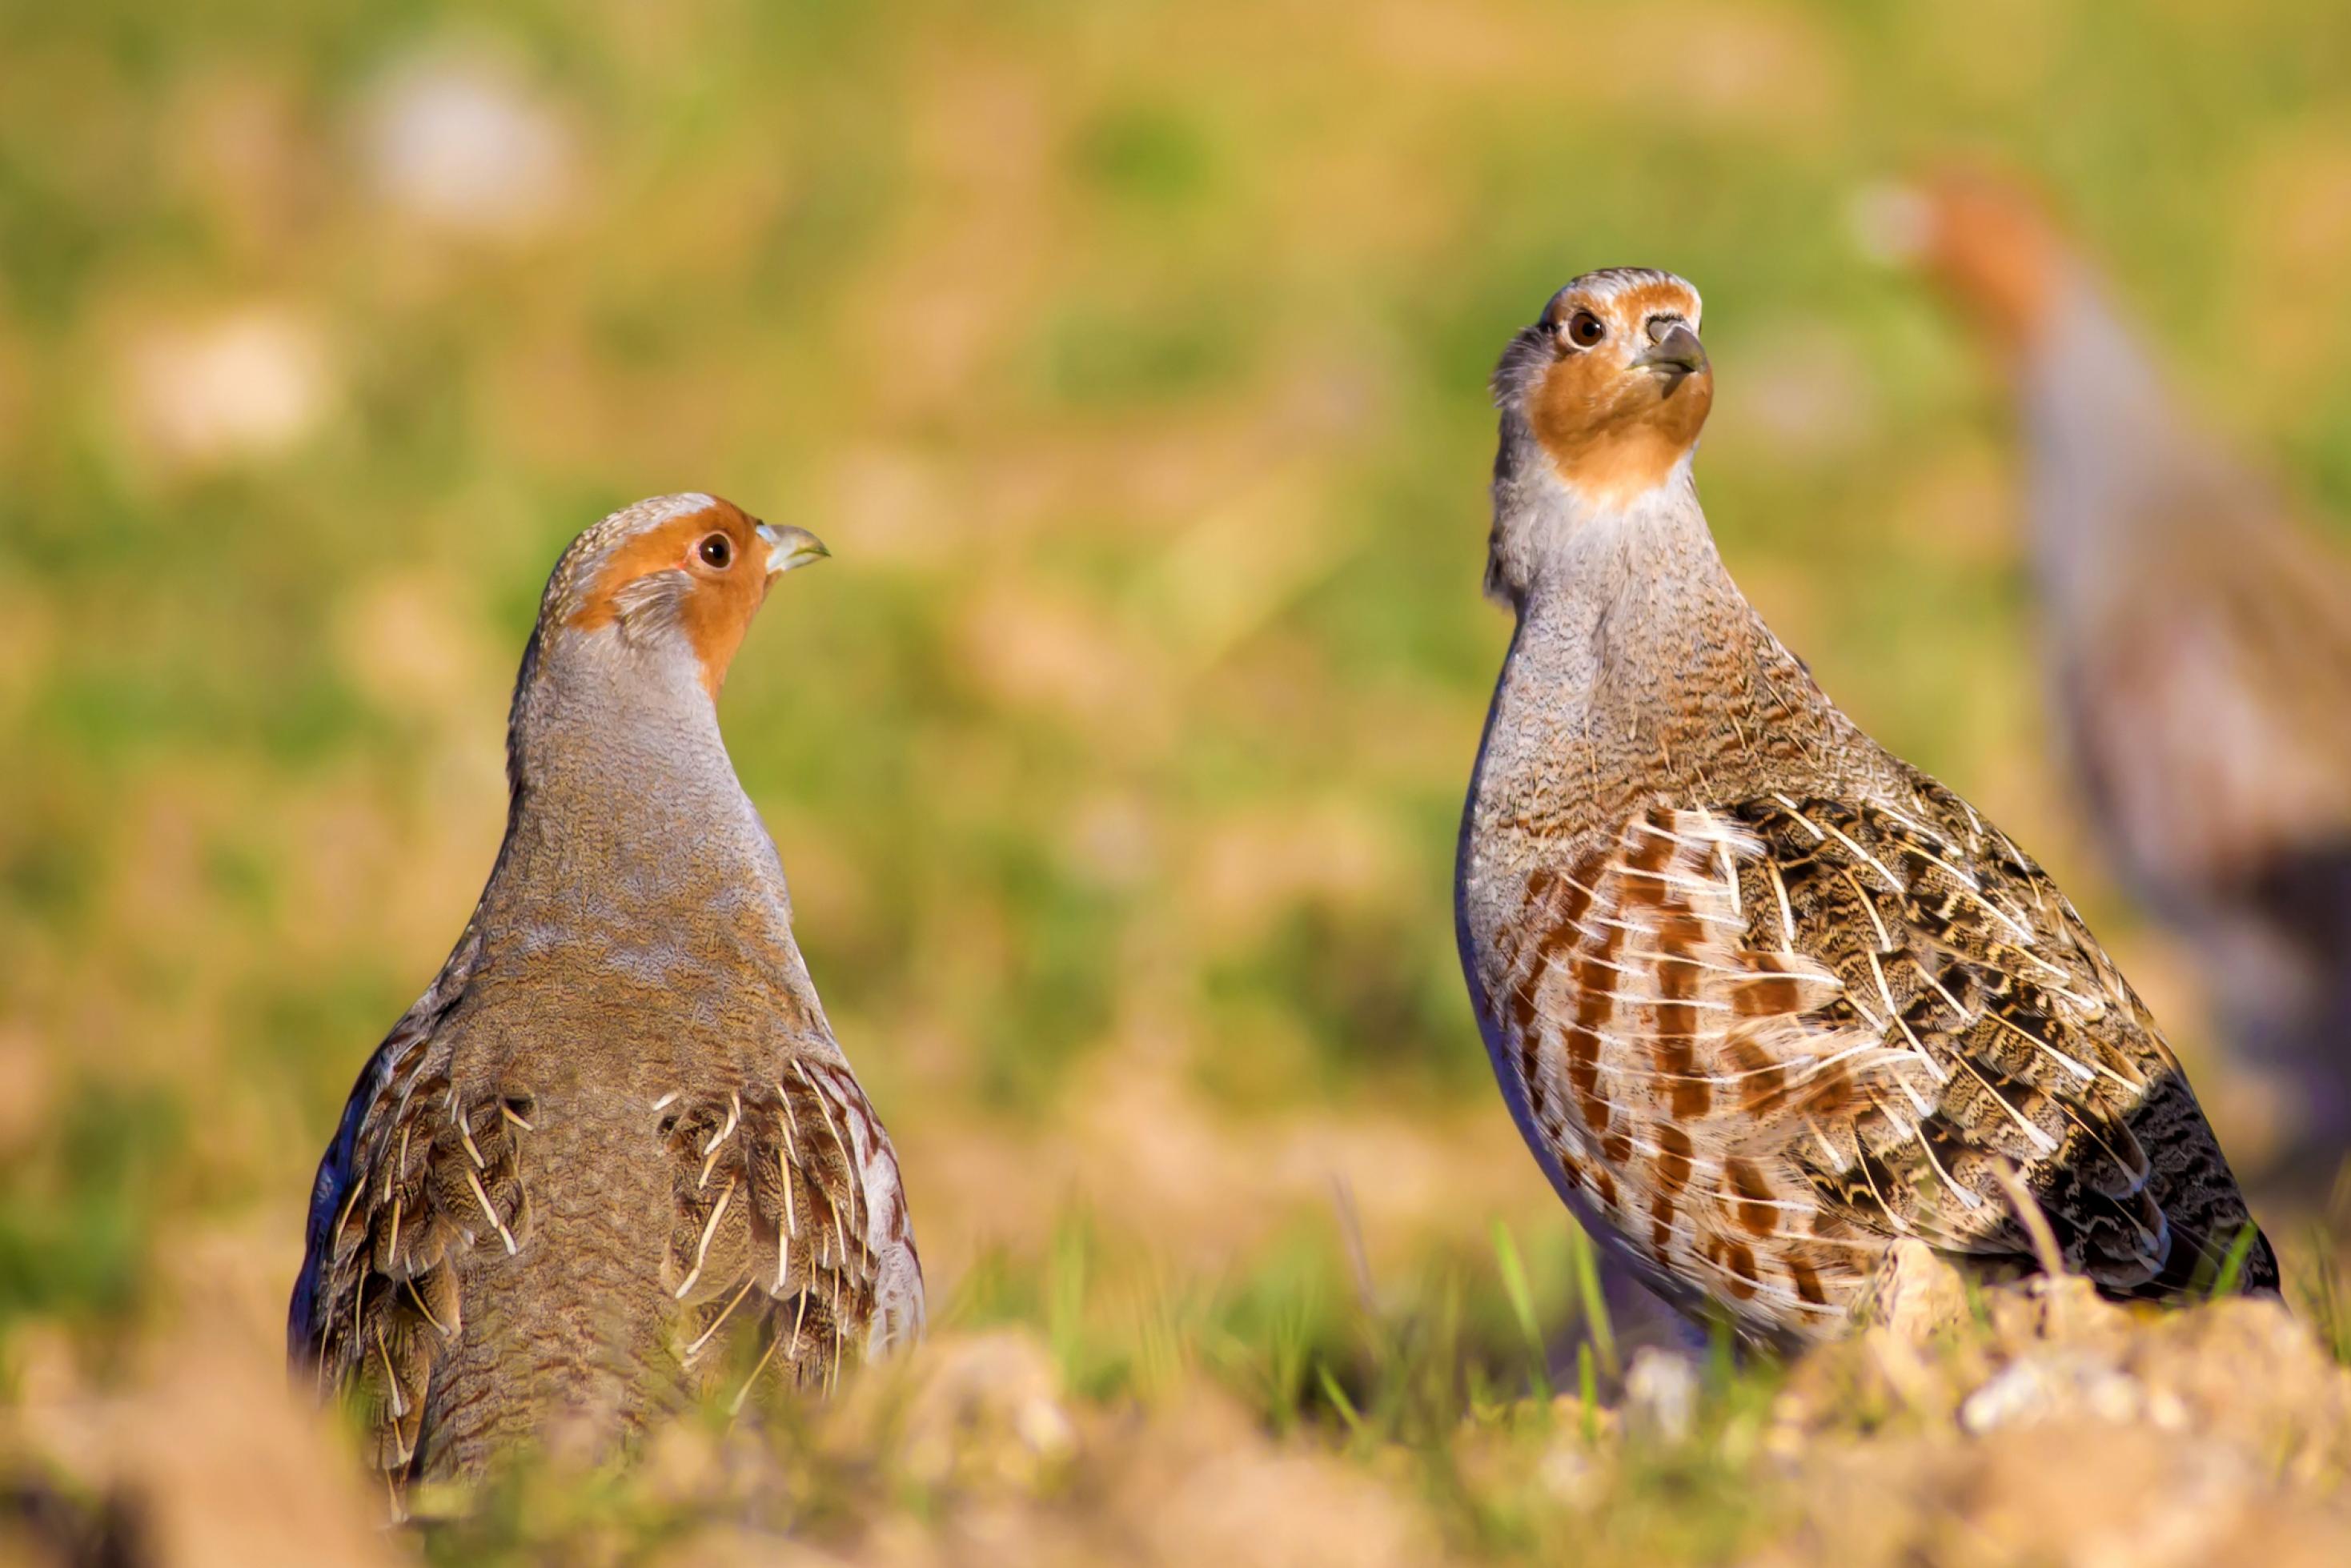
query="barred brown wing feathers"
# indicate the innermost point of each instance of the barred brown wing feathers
(789, 1223)
(434, 1175)
(1953, 946)
(1767, 1038)
(393, 1060)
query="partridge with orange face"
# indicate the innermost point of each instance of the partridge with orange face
(1766, 1002)
(614, 1156)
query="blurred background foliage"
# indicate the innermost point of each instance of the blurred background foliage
(1131, 357)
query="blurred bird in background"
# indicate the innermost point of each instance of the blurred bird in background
(2199, 643)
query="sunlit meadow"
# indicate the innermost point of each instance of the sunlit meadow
(1131, 358)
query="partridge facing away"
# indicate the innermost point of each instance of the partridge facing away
(2198, 647)
(613, 1153)
(1766, 1002)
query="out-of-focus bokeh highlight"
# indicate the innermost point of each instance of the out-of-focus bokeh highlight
(1131, 358)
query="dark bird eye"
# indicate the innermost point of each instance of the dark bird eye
(1584, 328)
(717, 550)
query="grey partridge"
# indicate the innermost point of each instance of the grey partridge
(1765, 1001)
(2199, 649)
(613, 1153)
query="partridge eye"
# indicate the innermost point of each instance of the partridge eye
(1584, 328)
(716, 551)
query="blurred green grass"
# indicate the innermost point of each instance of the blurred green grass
(1131, 358)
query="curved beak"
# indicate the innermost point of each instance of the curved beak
(788, 548)
(1675, 350)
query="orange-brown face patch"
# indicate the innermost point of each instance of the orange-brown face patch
(718, 605)
(1613, 429)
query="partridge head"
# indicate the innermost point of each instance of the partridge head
(1602, 399)
(1612, 380)
(677, 583)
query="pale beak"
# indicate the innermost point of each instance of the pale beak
(788, 548)
(1676, 350)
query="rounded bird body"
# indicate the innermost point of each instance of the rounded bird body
(1765, 1000)
(2198, 646)
(614, 1150)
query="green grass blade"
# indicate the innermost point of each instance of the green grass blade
(1340, 1402)
(1522, 1304)
(2232, 1267)
(1587, 1389)
(1586, 1264)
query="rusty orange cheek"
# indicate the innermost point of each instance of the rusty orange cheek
(657, 550)
(1609, 432)
(716, 614)
(718, 607)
